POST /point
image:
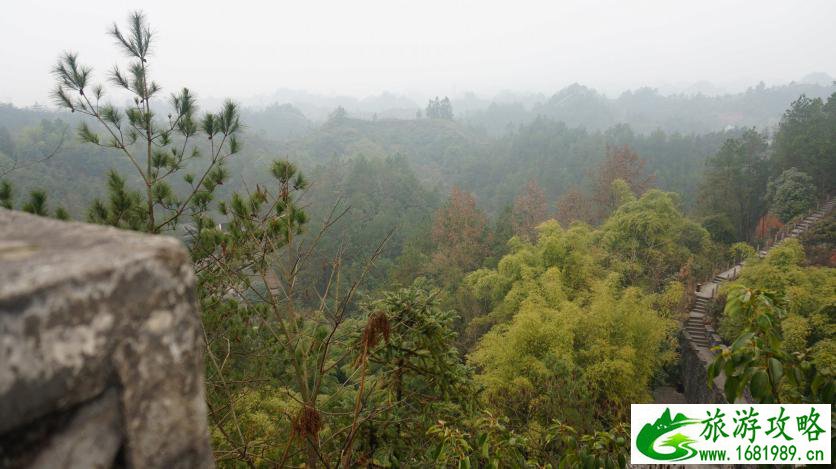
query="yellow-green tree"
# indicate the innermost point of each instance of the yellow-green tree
(568, 343)
(760, 360)
(650, 241)
(809, 295)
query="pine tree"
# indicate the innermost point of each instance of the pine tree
(440, 108)
(158, 148)
(36, 205)
(6, 194)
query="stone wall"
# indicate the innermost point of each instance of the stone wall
(693, 365)
(101, 349)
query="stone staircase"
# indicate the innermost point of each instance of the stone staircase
(695, 323)
(696, 326)
(698, 334)
(804, 225)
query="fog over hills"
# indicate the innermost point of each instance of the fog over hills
(420, 49)
(695, 108)
(318, 106)
(442, 233)
(699, 107)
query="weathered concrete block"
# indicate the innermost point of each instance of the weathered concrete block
(88, 312)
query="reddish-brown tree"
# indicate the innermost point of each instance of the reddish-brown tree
(621, 163)
(573, 205)
(460, 233)
(767, 226)
(530, 209)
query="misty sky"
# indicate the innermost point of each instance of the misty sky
(243, 48)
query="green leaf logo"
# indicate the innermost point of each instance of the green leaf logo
(663, 425)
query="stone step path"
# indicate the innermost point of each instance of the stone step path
(698, 334)
(805, 224)
(696, 326)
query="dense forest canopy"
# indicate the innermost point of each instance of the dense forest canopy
(442, 152)
(470, 282)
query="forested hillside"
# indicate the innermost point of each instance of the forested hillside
(433, 292)
(646, 109)
(442, 153)
(553, 143)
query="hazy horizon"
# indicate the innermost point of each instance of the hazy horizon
(366, 48)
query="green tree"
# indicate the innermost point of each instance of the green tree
(759, 361)
(720, 227)
(440, 109)
(382, 199)
(36, 205)
(807, 293)
(547, 299)
(6, 194)
(488, 441)
(124, 208)
(503, 230)
(7, 145)
(741, 252)
(783, 269)
(414, 377)
(157, 148)
(250, 301)
(805, 140)
(338, 115)
(651, 241)
(791, 194)
(735, 182)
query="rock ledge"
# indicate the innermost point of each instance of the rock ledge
(101, 354)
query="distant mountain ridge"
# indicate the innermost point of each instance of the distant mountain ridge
(697, 108)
